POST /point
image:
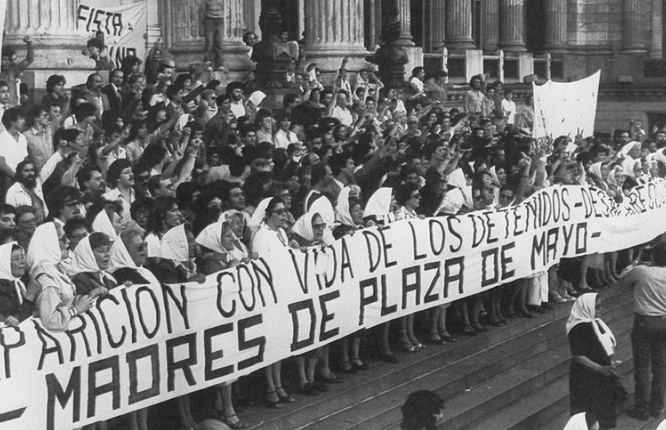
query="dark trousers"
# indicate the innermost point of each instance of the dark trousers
(648, 341)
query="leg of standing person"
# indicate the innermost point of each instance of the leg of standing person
(640, 346)
(658, 355)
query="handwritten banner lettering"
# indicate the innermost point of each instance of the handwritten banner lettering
(145, 344)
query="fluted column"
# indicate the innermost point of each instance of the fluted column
(459, 24)
(512, 25)
(633, 27)
(656, 47)
(437, 23)
(334, 30)
(556, 25)
(405, 17)
(490, 18)
(53, 25)
(186, 33)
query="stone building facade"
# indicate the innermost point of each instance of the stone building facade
(509, 39)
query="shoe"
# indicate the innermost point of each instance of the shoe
(556, 298)
(236, 425)
(408, 346)
(331, 379)
(417, 343)
(448, 338)
(320, 386)
(284, 396)
(567, 297)
(536, 309)
(358, 364)
(479, 328)
(436, 339)
(547, 306)
(346, 367)
(274, 404)
(638, 413)
(469, 331)
(389, 357)
(308, 390)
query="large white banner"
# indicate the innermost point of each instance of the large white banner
(124, 27)
(566, 108)
(145, 344)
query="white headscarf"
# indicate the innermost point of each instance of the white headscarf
(379, 204)
(577, 422)
(595, 170)
(662, 426)
(103, 224)
(584, 311)
(44, 257)
(44, 247)
(303, 226)
(120, 258)
(259, 214)
(211, 236)
(6, 269)
(624, 152)
(84, 260)
(342, 210)
(174, 245)
(322, 205)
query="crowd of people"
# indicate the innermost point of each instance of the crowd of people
(166, 174)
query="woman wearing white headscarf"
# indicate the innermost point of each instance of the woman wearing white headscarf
(629, 154)
(221, 247)
(90, 263)
(592, 378)
(311, 230)
(56, 299)
(176, 265)
(269, 238)
(14, 307)
(378, 209)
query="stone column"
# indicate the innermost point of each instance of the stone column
(656, 47)
(334, 30)
(438, 23)
(556, 25)
(459, 24)
(633, 27)
(405, 17)
(490, 19)
(52, 24)
(185, 34)
(512, 25)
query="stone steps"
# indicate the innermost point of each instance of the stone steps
(533, 353)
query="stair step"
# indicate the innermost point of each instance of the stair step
(512, 383)
(372, 399)
(549, 401)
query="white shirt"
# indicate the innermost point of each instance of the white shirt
(115, 195)
(238, 108)
(19, 196)
(14, 152)
(509, 108)
(266, 240)
(282, 138)
(343, 114)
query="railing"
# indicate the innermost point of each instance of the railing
(506, 67)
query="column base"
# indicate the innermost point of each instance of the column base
(556, 49)
(460, 46)
(513, 48)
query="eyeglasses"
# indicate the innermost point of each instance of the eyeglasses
(319, 226)
(71, 204)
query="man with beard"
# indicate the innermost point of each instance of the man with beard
(27, 190)
(91, 182)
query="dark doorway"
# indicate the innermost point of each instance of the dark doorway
(535, 26)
